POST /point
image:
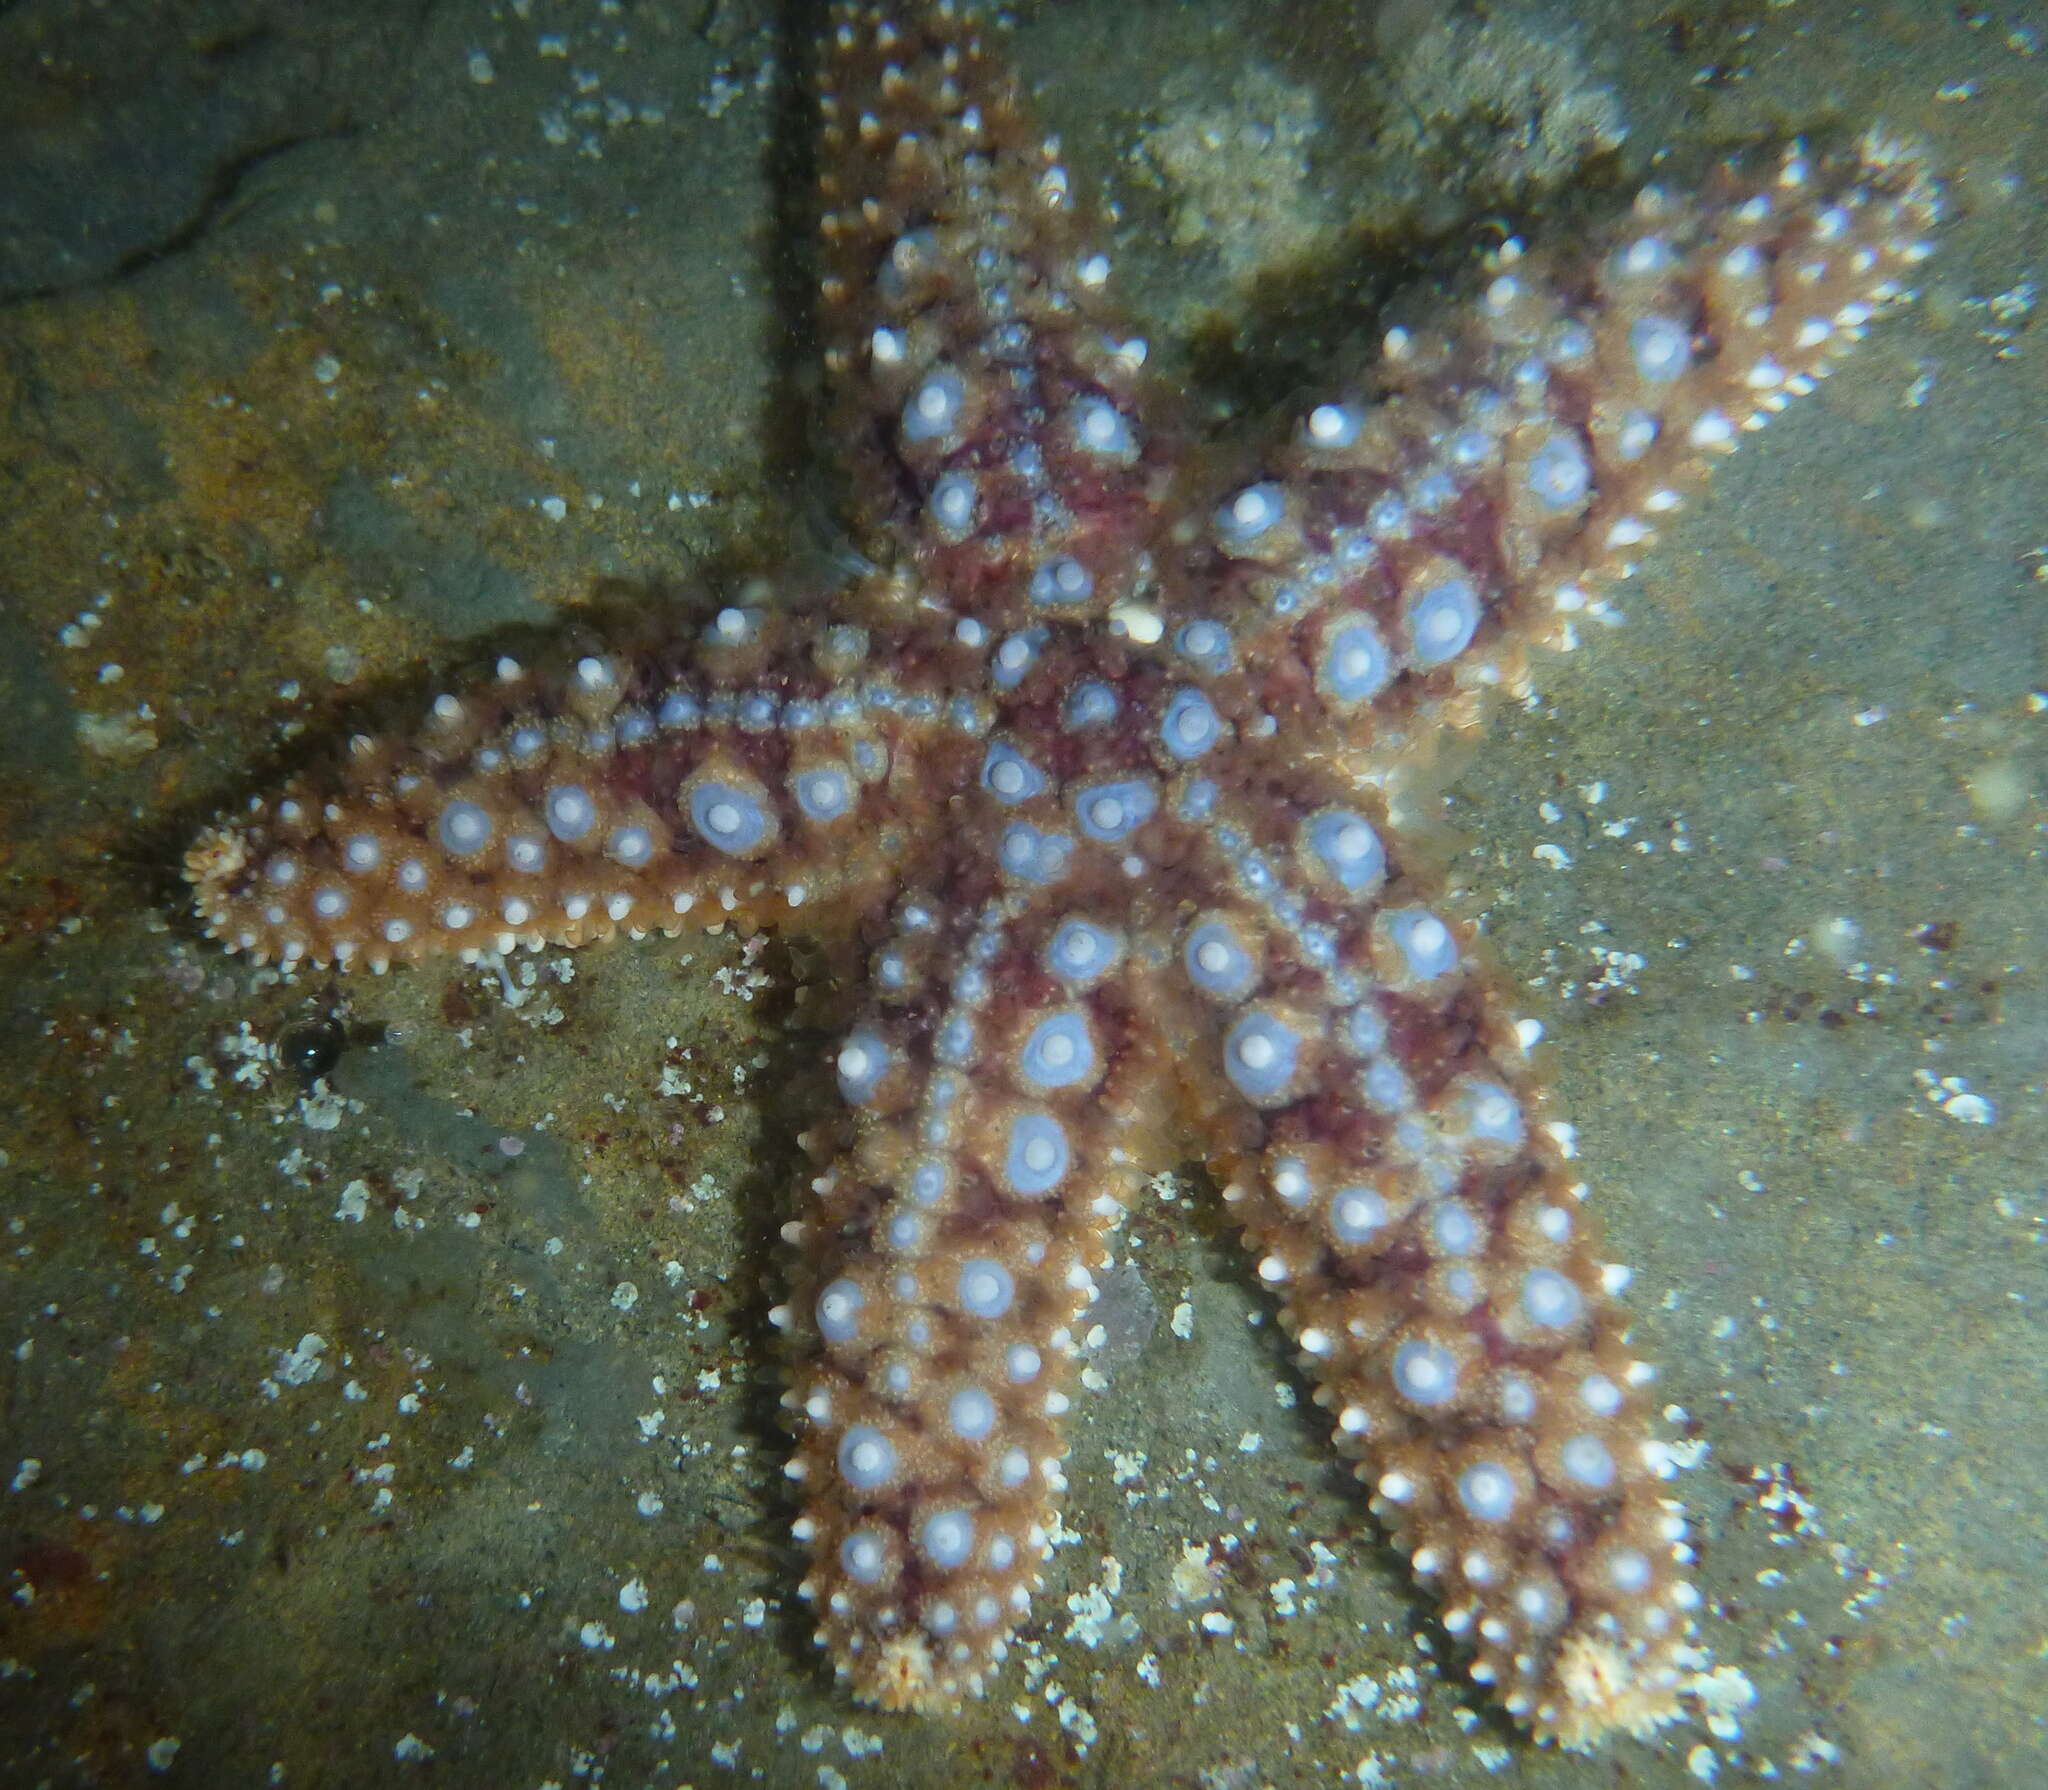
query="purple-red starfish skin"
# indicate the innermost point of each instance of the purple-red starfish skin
(1105, 770)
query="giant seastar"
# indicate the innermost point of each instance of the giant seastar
(1106, 770)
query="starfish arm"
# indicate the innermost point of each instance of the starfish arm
(1010, 448)
(1362, 1090)
(1409, 539)
(992, 1098)
(767, 768)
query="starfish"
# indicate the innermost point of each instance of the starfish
(1106, 772)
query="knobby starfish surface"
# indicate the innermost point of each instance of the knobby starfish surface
(1108, 772)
